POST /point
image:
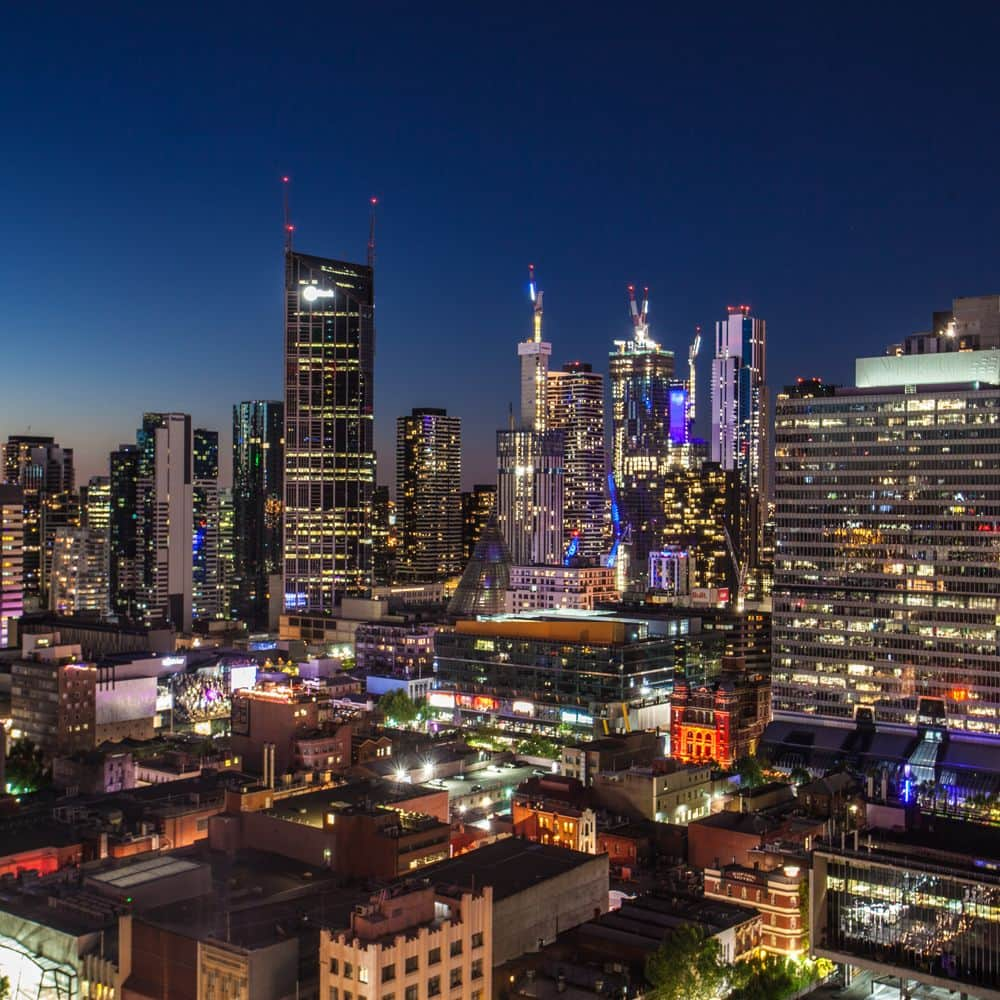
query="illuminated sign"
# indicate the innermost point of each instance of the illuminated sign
(311, 293)
(477, 702)
(523, 708)
(571, 716)
(441, 699)
(678, 416)
(173, 661)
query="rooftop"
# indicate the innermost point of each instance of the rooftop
(312, 807)
(511, 865)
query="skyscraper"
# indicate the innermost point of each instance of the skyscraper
(258, 503)
(42, 469)
(384, 536)
(478, 505)
(329, 450)
(165, 507)
(640, 372)
(531, 460)
(576, 407)
(428, 494)
(739, 420)
(205, 525)
(125, 551)
(78, 577)
(887, 562)
(11, 558)
(227, 584)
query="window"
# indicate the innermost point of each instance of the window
(334, 966)
(477, 969)
(477, 939)
(434, 986)
(348, 970)
(455, 979)
(476, 995)
(434, 956)
(362, 974)
(334, 993)
(412, 992)
(456, 948)
(388, 973)
(412, 963)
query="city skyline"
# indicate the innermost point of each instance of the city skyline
(814, 233)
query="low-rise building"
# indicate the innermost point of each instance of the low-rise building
(775, 894)
(664, 790)
(720, 720)
(555, 810)
(414, 940)
(539, 891)
(733, 837)
(583, 759)
(392, 649)
(577, 588)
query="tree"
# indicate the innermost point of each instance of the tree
(750, 771)
(25, 767)
(398, 707)
(687, 966)
(768, 977)
(4, 988)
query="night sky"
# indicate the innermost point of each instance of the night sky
(835, 168)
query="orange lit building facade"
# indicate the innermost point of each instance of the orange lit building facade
(722, 720)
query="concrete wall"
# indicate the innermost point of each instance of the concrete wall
(545, 910)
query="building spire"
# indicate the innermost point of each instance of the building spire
(289, 228)
(371, 232)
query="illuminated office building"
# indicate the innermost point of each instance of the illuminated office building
(641, 373)
(576, 407)
(258, 503)
(165, 507)
(205, 525)
(429, 495)
(739, 419)
(59, 512)
(125, 551)
(11, 558)
(329, 450)
(78, 577)
(227, 583)
(478, 506)
(887, 557)
(531, 461)
(42, 468)
(385, 536)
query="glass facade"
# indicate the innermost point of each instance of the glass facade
(887, 560)
(329, 450)
(641, 373)
(931, 921)
(258, 503)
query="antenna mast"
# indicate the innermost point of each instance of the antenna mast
(289, 228)
(371, 233)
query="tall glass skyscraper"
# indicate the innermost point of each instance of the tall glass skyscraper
(576, 407)
(739, 419)
(641, 373)
(329, 449)
(124, 558)
(429, 494)
(205, 524)
(258, 504)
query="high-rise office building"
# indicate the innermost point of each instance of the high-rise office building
(329, 449)
(78, 577)
(739, 419)
(124, 548)
(429, 494)
(59, 512)
(42, 469)
(205, 525)
(385, 537)
(887, 579)
(478, 505)
(640, 372)
(165, 507)
(95, 504)
(531, 460)
(576, 407)
(11, 558)
(258, 502)
(227, 583)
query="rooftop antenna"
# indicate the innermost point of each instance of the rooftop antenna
(289, 228)
(536, 304)
(371, 233)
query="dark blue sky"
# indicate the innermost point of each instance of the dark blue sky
(836, 168)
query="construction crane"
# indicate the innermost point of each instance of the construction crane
(640, 317)
(692, 358)
(536, 302)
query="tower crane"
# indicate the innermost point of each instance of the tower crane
(640, 317)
